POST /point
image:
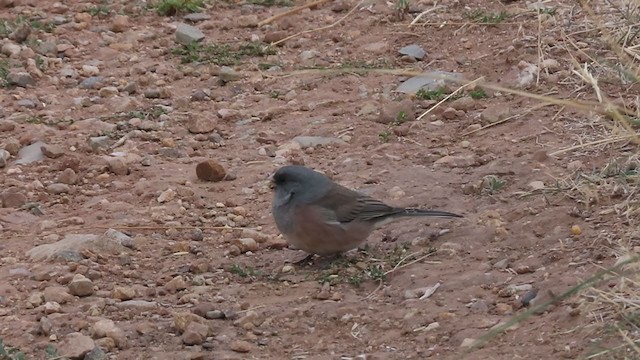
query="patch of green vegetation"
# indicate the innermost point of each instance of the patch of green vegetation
(478, 93)
(385, 136)
(40, 63)
(9, 353)
(176, 7)
(245, 272)
(548, 11)
(491, 184)
(35, 120)
(221, 54)
(480, 16)
(437, 94)
(46, 26)
(267, 3)
(5, 28)
(402, 8)
(151, 113)
(256, 49)
(4, 73)
(51, 352)
(275, 94)
(8, 26)
(375, 272)
(99, 11)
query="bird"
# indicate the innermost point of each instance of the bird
(321, 217)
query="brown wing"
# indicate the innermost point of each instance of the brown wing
(348, 205)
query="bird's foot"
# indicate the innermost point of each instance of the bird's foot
(302, 261)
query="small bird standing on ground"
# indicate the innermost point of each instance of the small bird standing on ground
(321, 217)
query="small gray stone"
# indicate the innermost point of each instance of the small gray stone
(47, 48)
(80, 286)
(68, 176)
(414, 51)
(96, 354)
(431, 80)
(227, 74)
(185, 34)
(76, 346)
(52, 151)
(495, 113)
(108, 91)
(10, 49)
(140, 305)
(99, 142)
(29, 104)
(195, 17)
(4, 157)
(501, 264)
(92, 82)
(31, 153)
(153, 93)
(58, 188)
(20, 78)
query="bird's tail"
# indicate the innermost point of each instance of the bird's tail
(422, 212)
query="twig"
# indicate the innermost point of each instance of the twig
(434, 8)
(292, 11)
(320, 28)
(596, 142)
(447, 98)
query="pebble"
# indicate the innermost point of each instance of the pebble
(176, 284)
(397, 112)
(20, 78)
(52, 307)
(76, 346)
(167, 195)
(4, 157)
(240, 346)
(99, 142)
(118, 166)
(457, 161)
(186, 34)
(107, 328)
(495, 113)
(536, 185)
(210, 170)
(92, 82)
(467, 342)
(68, 176)
(89, 70)
(414, 51)
(58, 188)
(80, 286)
(123, 293)
(246, 244)
(181, 320)
(195, 334)
(201, 125)
(52, 151)
(108, 91)
(227, 74)
(12, 199)
(120, 23)
(57, 294)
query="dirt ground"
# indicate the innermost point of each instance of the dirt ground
(126, 114)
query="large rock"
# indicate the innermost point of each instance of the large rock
(76, 346)
(186, 34)
(71, 247)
